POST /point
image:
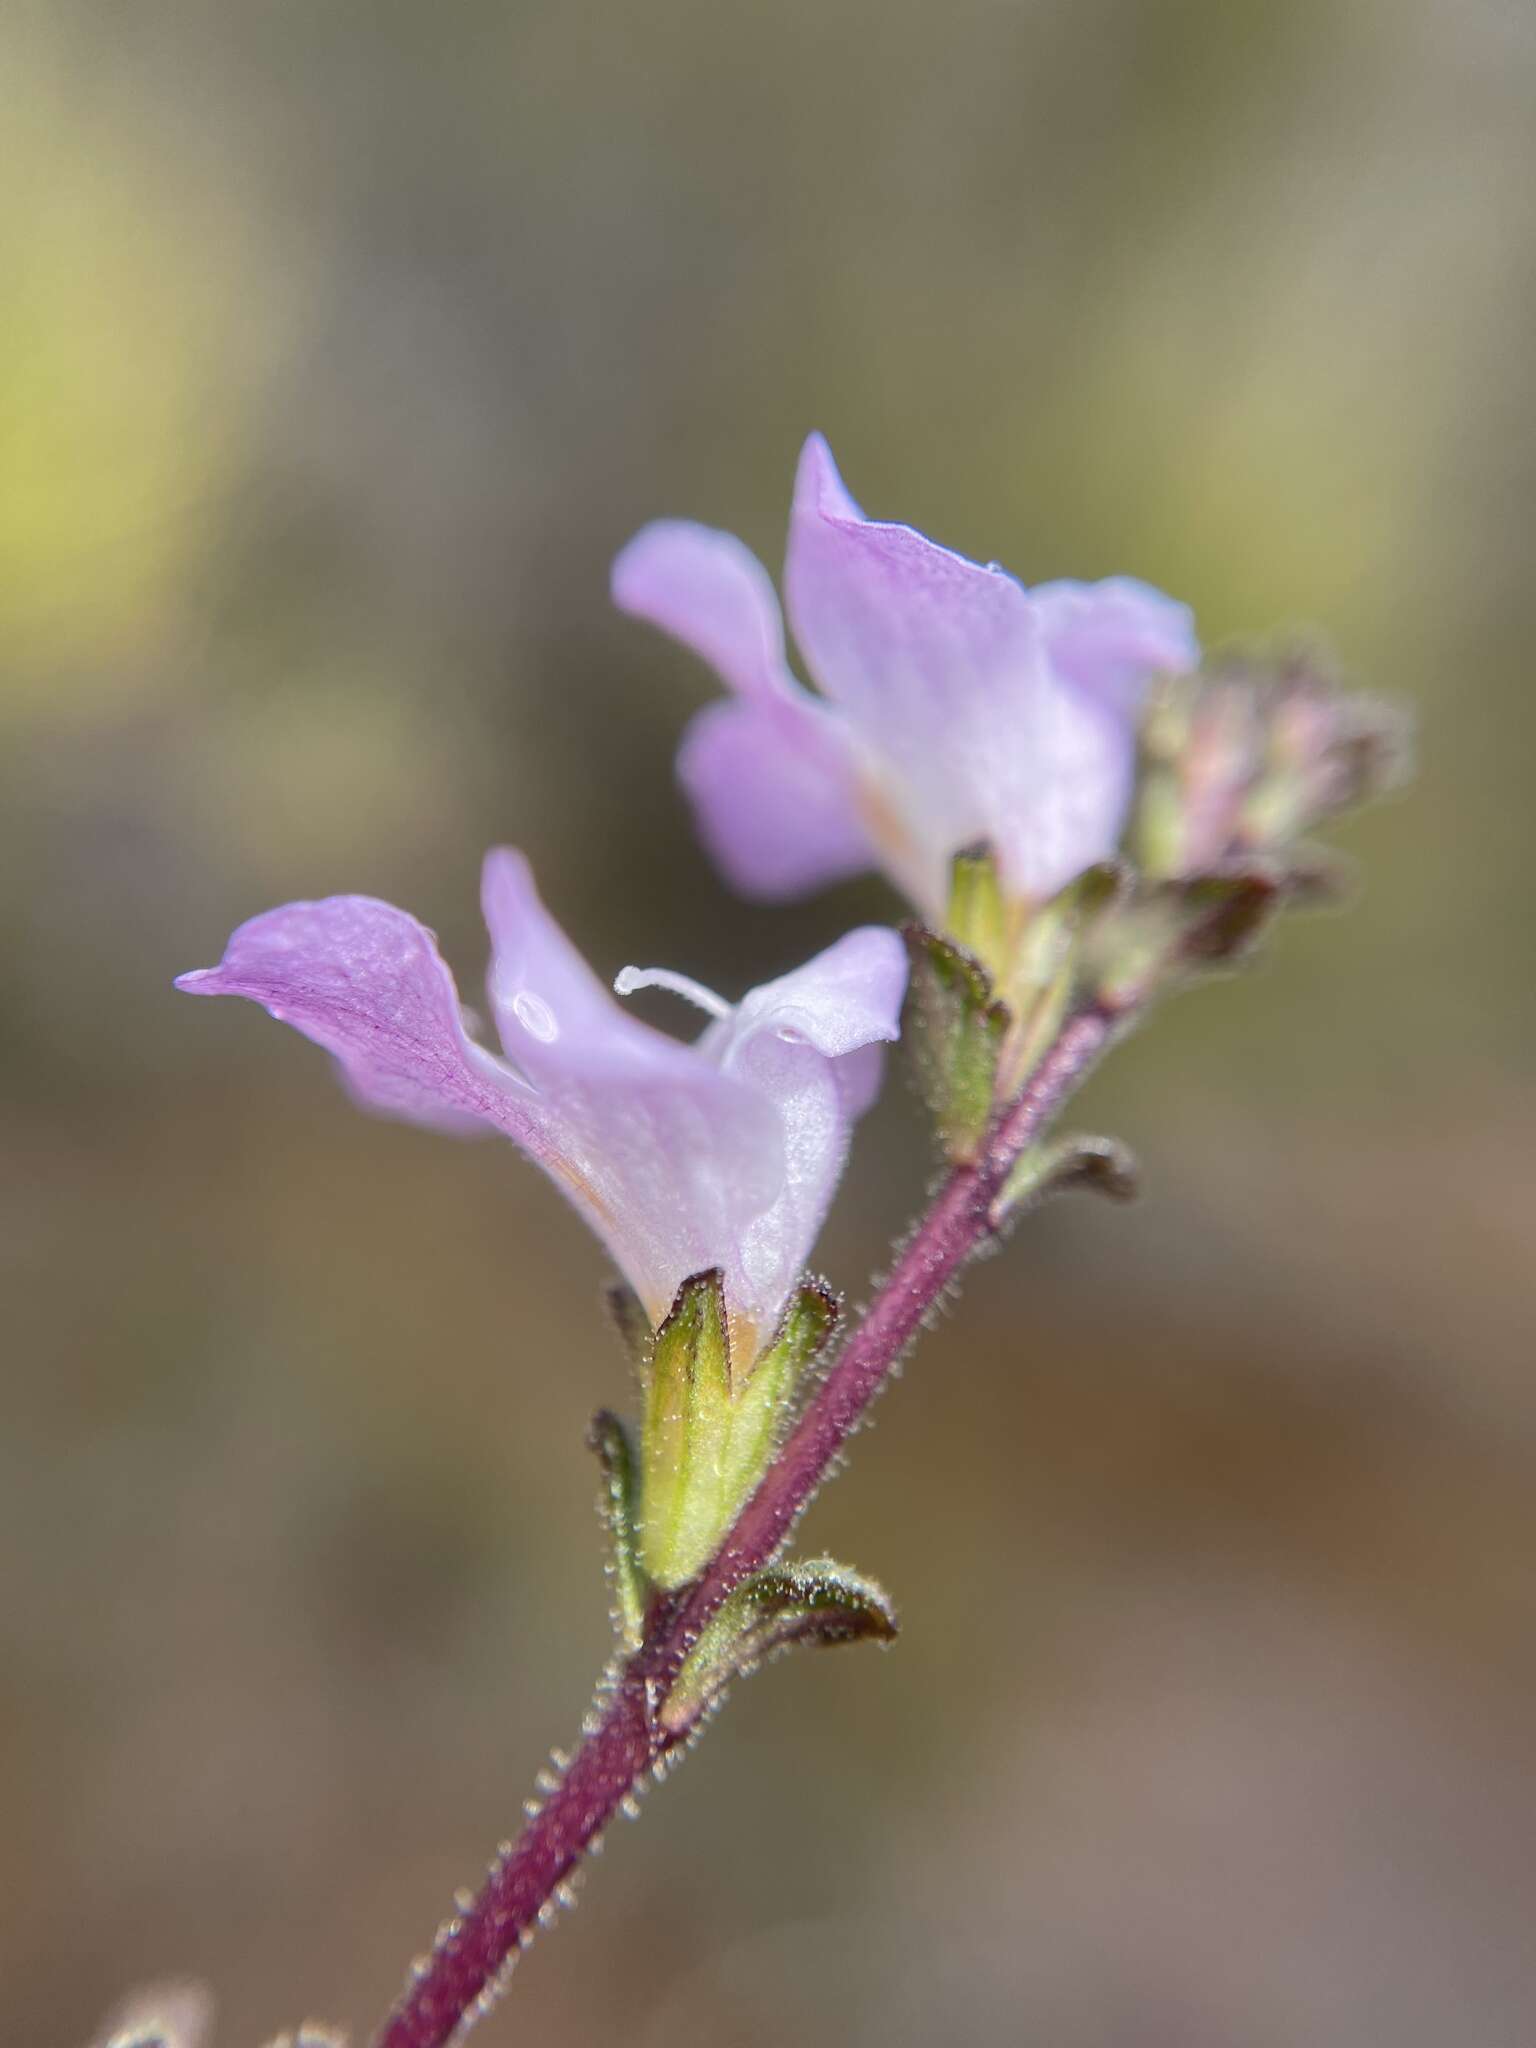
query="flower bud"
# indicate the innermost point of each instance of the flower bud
(1248, 757)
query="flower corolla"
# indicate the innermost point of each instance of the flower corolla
(723, 1153)
(956, 708)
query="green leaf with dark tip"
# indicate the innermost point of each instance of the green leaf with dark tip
(621, 1517)
(1096, 1166)
(633, 1325)
(816, 1603)
(686, 1432)
(955, 1026)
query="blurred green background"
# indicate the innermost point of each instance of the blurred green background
(341, 346)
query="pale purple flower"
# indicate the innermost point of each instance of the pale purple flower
(956, 706)
(682, 1157)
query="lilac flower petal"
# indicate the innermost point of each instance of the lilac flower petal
(859, 1076)
(981, 711)
(1114, 637)
(550, 1008)
(809, 1098)
(670, 1158)
(936, 662)
(904, 636)
(711, 592)
(1076, 807)
(692, 1156)
(848, 996)
(774, 797)
(1104, 642)
(366, 981)
(811, 1042)
(771, 778)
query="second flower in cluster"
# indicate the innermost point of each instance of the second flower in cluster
(957, 707)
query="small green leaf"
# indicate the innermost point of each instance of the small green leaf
(686, 1432)
(815, 1602)
(956, 1028)
(621, 1516)
(1098, 1166)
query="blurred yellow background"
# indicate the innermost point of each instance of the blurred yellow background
(340, 348)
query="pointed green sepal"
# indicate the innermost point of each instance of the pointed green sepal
(1096, 1166)
(1046, 970)
(686, 1432)
(978, 919)
(762, 1407)
(808, 1325)
(621, 1517)
(629, 1318)
(956, 1027)
(815, 1602)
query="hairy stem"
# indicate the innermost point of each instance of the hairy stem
(624, 1742)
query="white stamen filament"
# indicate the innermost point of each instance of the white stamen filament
(628, 979)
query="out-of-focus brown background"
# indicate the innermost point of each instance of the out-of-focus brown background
(340, 348)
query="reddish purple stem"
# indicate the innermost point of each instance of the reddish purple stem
(626, 1742)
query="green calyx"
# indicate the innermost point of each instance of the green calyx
(709, 1424)
(986, 996)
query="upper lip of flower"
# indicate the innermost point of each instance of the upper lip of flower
(956, 706)
(682, 1157)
